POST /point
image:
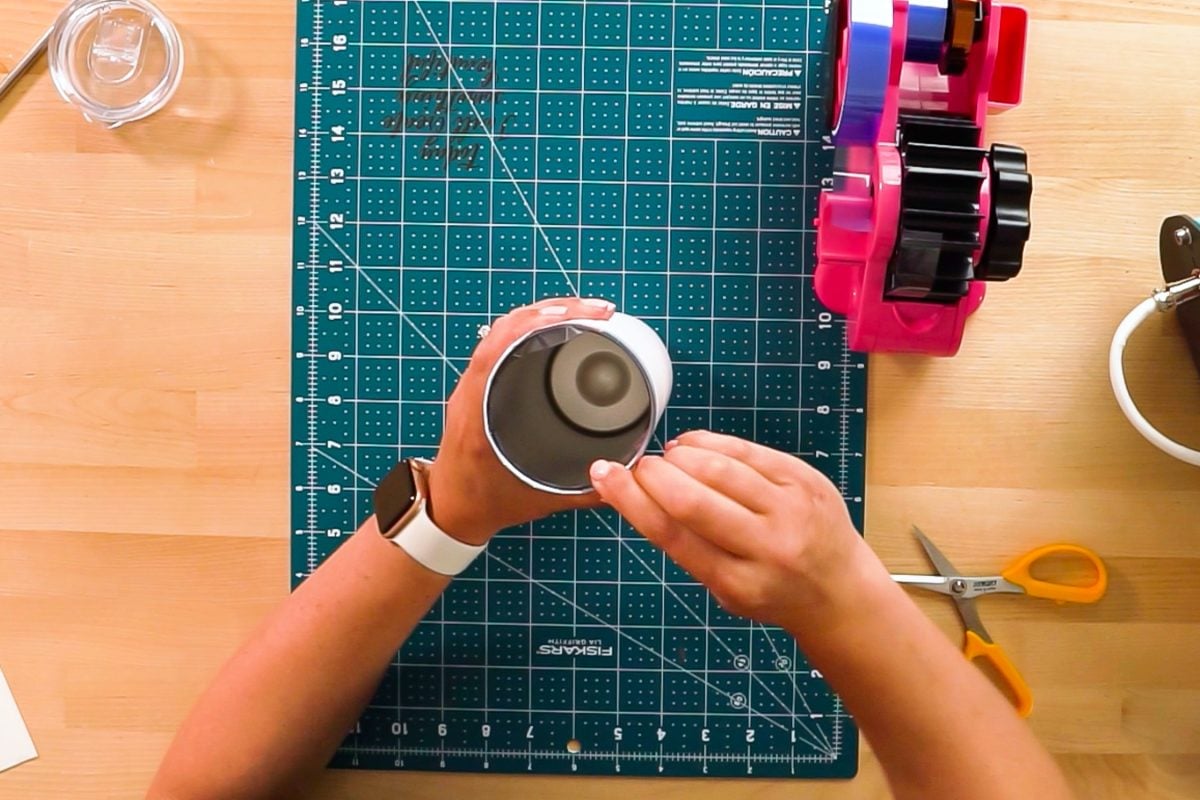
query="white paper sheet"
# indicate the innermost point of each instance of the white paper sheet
(15, 745)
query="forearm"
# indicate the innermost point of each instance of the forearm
(285, 700)
(936, 724)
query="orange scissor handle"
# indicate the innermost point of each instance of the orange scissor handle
(975, 648)
(1019, 573)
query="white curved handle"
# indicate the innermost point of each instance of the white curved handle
(1116, 374)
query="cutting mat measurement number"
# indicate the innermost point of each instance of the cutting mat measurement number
(457, 159)
(464, 743)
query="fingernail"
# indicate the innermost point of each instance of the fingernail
(600, 470)
(599, 302)
(673, 443)
(552, 311)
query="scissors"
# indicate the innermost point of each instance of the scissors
(1016, 578)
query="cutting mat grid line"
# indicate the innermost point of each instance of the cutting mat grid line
(458, 158)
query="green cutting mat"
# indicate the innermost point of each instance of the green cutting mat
(456, 159)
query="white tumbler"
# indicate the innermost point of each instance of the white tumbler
(572, 392)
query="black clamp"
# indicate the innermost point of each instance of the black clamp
(1008, 223)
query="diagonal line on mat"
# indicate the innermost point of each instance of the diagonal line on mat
(365, 276)
(344, 466)
(816, 745)
(495, 147)
(709, 631)
(795, 686)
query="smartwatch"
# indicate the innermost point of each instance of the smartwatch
(401, 511)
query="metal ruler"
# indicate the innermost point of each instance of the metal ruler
(456, 159)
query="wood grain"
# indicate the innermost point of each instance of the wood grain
(144, 354)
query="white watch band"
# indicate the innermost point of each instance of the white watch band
(432, 547)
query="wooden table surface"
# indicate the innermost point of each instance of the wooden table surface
(144, 357)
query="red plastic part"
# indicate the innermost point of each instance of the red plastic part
(1008, 81)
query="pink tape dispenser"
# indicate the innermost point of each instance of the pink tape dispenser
(919, 214)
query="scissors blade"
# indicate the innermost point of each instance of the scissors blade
(970, 617)
(930, 583)
(939, 561)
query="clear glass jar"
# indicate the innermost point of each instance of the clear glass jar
(118, 61)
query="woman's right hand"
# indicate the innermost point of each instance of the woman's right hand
(770, 537)
(767, 534)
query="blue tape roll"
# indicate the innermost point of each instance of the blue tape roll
(927, 20)
(868, 50)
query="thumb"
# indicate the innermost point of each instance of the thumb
(621, 490)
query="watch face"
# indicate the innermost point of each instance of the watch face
(394, 496)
